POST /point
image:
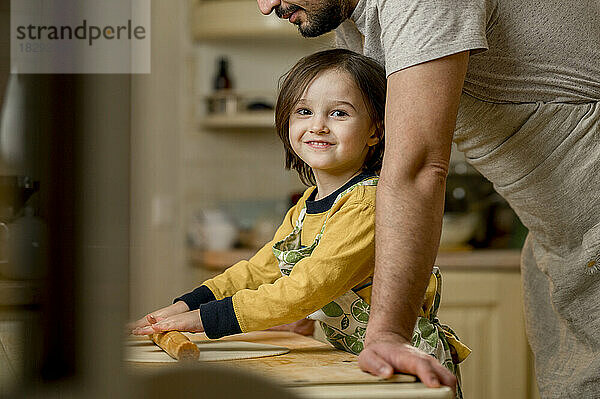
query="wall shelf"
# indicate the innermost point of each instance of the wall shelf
(242, 120)
(237, 19)
(242, 20)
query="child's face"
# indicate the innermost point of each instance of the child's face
(330, 127)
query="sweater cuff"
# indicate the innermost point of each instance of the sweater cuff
(218, 318)
(194, 299)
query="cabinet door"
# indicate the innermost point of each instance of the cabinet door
(486, 311)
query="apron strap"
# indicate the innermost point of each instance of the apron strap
(367, 182)
(301, 216)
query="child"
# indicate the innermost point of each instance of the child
(329, 115)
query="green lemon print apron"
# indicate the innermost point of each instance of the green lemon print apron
(344, 320)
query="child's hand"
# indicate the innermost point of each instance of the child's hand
(188, 321)
(158, 315)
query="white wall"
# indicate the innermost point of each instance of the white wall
(159, 116)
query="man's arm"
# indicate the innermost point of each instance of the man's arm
(421, 109)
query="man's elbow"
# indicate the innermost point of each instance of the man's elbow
(415, 173)
(436, 169)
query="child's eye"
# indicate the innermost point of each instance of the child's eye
(339, 113)
(303, 111)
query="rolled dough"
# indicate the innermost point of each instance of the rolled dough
(145, 351)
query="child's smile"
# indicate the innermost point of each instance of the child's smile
(330, 127)
(319, 144)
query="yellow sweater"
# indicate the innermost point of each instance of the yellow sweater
(344, 258)
(254, 295)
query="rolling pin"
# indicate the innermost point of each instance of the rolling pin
(177, 345)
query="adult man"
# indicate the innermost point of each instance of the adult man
(526, 74)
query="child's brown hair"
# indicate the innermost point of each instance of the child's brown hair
(369, 77)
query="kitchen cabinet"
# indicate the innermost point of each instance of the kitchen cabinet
(482, 302)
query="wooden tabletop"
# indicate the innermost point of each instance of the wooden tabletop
(313, 369)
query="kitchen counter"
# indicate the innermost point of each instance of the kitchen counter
(508, 260)
(313, 369)
(483, 260)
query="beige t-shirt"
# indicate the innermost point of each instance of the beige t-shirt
(546, 51)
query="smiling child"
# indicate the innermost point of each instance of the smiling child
(329, 115)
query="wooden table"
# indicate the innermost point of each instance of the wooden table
(310, 370)
(313, 369)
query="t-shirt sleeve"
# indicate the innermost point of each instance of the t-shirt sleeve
(343, 259)
(417, 31)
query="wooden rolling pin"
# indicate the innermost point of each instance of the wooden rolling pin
(177, 345)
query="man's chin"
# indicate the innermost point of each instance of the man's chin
(321, 21)
(309, 34)
(310, 31)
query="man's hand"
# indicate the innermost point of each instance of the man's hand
(188, 321)
(390, 352)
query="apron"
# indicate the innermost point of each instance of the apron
(344, 320)
(544, 159)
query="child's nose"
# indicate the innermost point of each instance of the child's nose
(319, 127)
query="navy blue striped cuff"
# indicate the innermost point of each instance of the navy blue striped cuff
(197, 297)
(218, 318)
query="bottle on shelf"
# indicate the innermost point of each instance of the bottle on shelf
(223, 99)
(222, 80)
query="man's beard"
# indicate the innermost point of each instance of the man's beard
(321, 20)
